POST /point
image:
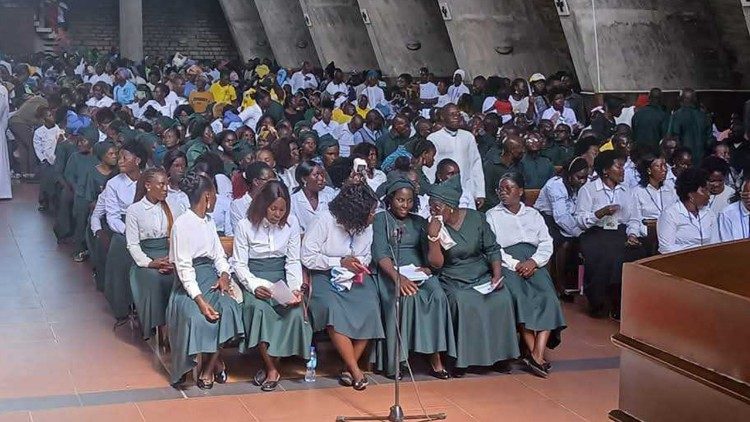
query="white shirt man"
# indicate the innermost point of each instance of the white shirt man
(461, 147)
(302, 81)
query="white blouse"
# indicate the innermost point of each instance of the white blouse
(178, 202)
(221, 215)
(378, 178)
(717, 203)
(527, 226)
(144, 220)
(238, 210)
(678, 229)
(302, 209)
(103, 103)
(594, 195)
(119, 193)
(267, 241)
(326, 242)
(652, 201)
(195, 237)
(734, 222)
(554, 201)
(95, 221)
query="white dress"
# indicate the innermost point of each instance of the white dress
(5, 190)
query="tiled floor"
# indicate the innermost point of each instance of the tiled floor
(61, 361)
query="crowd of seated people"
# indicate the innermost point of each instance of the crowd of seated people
(302, 203)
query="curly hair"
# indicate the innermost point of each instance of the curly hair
(352, 207)
(689, 181)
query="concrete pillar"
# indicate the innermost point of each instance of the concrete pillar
(506, 37)
(634, 45)
(131, 29)
(246, 28)
(286, 30)
(339, 34)
(733, 22)
(408, 34)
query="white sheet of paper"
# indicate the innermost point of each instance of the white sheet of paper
(413, 273)
(281, 292)
(485, 288)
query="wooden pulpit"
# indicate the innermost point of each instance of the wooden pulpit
(685, 337)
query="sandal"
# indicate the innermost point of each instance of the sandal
(346, 379)
(269, 386)
(221, 376)
(360, 385)
(204, 385)
(260, 377)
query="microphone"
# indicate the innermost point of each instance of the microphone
(398, 232)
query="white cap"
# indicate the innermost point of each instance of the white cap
(537, 77)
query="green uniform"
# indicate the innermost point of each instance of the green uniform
(388, 143)
(485, 325)
(276, 111)
(284, 329)
(78, 168)
(649, 126)
(196, 150)
(558, 153)
(116, 277)
(693, 128)
(494, 169)
(426, 325)
(150, 288)
(485, 143)
(93, 187)
(536, 171)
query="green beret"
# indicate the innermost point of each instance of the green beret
(393, 182)
(91, 133)
(148, 139)
(326, 141)
(166, 122)
(448, 192)
(101, 148)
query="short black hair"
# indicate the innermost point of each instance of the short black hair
(712, 164)
(137, 148)
(582, 146)
(689, 181)
(605, 160)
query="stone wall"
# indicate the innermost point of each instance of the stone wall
(94, 23)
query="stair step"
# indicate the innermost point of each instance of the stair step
(42, 30)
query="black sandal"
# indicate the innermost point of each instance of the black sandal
(260, 377)
(536, 368)
(204, 385)
(346, 379)
(221, 376)
(360, 385)
(269, 386)
(441, 374)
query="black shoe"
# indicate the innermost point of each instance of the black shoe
(458, 372)
(204, 385)
(269, 386)
(441, 374)
(346, 379)
(547, 366)
(502, 367)
(360, 385)
(221, 376)
(180, 384)
(260, 377)
(535, 368)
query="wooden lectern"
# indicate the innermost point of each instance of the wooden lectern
(685, 336)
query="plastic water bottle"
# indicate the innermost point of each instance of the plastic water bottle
(311, 365)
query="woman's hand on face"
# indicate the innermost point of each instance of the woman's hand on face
(526, 268)
(433, 227)
(263, 293)
(408, 287)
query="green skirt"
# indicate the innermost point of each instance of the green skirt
(535, 300)
(284, 329)
(63, 227)
(81, 214)
(98, 249)
(150, 288)
(485, 327)
(354, 313)
(190, 333)
(426, 325)
(117, 277)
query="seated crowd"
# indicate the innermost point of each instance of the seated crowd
(482, 205)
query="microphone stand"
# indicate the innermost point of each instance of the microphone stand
(396, 413)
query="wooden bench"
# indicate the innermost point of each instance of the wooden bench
(530, 196)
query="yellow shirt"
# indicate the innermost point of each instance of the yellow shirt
(200, 100)
(607, 146)
(362, 111)
(338, 116)
(247, 98)
(223, 94)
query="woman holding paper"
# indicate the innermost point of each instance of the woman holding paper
(426, 324)
(527, 248)
(202, 314)
(463, 247)
(267, 263)
(344, 298)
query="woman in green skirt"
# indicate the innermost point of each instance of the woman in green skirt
(147, 225)
(344, 298)
(118, 196)
(202, 314)
(426, 326)
(462, 248)
(266, 252)
(97, 235)
(527, 248)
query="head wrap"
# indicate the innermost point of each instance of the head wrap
(262, 70)
(101, 148)
(281, 76)
(372, 74)
(128, 134)
(390, 160)
(148, 139)
(299, 125)
(393, 182)
(448, 192)
(537, 77)
(166, 122)
(91, 133)
(460, 72)
(326, 141)
(240, 150)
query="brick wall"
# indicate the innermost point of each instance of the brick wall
(196, 28)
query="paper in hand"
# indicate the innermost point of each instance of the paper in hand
(413, 273)
(487, 287)
(281, 292)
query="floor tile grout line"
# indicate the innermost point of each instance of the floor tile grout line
(552, 399)
(466, 412)
(247, 409)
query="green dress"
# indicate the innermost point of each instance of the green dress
(284, 329)
(426, 325)
(150, 288)
(85, 164)
(536, 171)
(63, 227)
(559, 154)
(485, 325)
(93, 187)
(190, 333)
(117, 276)
(535, 298)
(388, 143)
